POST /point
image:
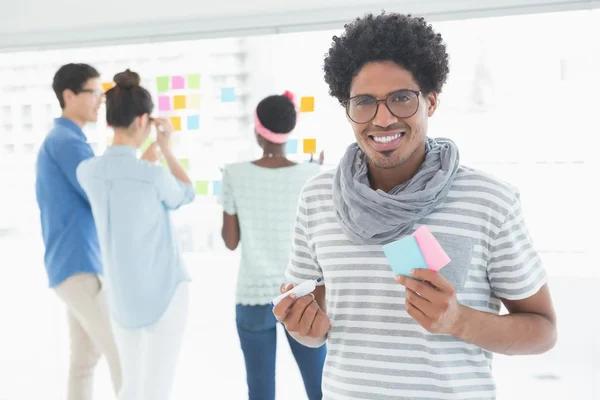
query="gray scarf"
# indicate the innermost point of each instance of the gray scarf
(370, 216)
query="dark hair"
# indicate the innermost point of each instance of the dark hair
(73, 77)
(408, 41)
(277, 113)
(127, 100)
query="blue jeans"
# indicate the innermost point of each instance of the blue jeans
(257, 329)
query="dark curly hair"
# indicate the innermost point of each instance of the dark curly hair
(408, 41)
(277, 113)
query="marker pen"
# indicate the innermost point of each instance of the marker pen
(302, 289)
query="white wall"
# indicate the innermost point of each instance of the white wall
(39, 23)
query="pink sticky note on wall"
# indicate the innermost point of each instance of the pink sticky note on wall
(434, 254)
(164, 103)
(177, 82)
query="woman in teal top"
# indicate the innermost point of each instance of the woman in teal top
(146, 279)
(259, 201)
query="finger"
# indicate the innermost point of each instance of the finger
(307, 319)
(423, 305)
(418, 316)
(423, 288)
(295, 315)
(320, 324)
(435, 278)
(282, 308)
(285, 287)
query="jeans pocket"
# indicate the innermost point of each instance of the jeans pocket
(255, 318)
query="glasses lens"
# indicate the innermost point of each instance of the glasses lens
(362, 109)
(403, 103)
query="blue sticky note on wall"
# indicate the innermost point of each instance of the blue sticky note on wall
(193, 122)
(404, 255)
(216, 188)
(291, 147)
(227, 95)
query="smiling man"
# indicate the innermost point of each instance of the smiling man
(396, 337)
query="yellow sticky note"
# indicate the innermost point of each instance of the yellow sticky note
(176, 122)
(310, 146)
(307, 104)
(193, 101)
(179, 102)
(106, 86)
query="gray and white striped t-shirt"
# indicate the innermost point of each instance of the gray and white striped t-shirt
(376, 351)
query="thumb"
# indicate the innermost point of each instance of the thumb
(285, 287)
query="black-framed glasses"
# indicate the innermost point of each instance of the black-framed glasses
(95, 92)
(402, 103)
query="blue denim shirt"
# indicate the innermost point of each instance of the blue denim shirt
(68, 230)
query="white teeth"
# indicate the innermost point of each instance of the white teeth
(386, 139)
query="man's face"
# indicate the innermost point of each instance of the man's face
(85, 104)
(388, 140)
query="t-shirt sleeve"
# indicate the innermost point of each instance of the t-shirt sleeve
(226, 198)
(303, 263)
(171, 191)
(515, 270)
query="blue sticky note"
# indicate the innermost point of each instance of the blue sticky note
(291, 147)
(404, 255)
(193, 122)
(227, 95)
(216, 188)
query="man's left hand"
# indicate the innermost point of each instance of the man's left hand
(432, 301)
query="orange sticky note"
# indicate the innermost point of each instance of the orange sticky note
(193, 101)
(307, 104)
(179, 102)
(310, 146)
(106, 86)
(176, 122)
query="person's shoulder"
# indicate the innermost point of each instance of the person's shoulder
(488, 185)
(319, 185)
(238, 167)
(86, 168)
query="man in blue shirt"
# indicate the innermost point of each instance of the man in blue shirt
(72, 255)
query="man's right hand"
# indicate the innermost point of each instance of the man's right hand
(302, 316)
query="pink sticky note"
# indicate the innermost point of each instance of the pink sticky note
(164, 103)
(435, 256)
(177, 82)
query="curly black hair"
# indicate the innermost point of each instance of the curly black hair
(408, 41)
(277, 113)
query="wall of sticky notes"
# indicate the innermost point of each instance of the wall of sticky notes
(179, 99)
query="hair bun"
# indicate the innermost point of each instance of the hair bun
(127, 79)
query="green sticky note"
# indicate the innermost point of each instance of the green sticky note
(146, 144)
(164, 163)
(185, 162)
(202, 187)
(162, 83)
(193, 81)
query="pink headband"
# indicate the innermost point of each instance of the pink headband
(273, 137)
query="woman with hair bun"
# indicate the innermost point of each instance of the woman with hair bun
(259, 200)
(145, 276)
